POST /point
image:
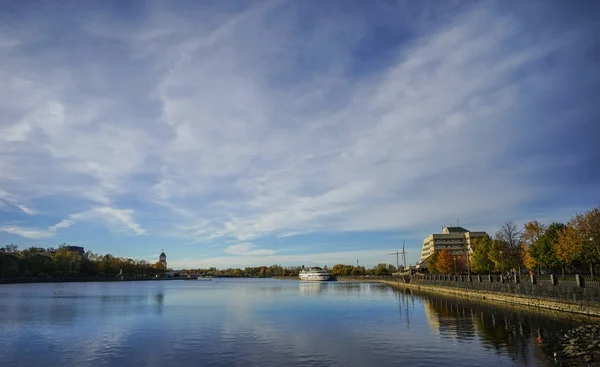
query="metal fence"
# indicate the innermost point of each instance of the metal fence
(550, 279)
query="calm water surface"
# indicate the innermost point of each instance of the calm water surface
(259, 322)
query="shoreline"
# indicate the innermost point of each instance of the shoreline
(78, 280)
(558, 306)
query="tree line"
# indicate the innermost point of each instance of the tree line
(290, 271)
(341, 270)
(248, 272)
(538, 247)
(64, 262)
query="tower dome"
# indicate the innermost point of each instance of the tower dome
(163, 258)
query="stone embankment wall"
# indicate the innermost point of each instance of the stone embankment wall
(576, 296)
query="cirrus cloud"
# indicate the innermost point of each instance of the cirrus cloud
(248, 249)
(264, 122)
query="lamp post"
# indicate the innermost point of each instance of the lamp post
(454, 265)
(468, 253)
(501, 262)
(591, 264)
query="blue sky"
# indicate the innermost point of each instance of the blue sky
(292, 132)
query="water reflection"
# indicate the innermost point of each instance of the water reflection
(159, 299)
(406, 305)
(519, 333)
(310, 288)
(260, 323)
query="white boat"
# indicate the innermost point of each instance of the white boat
(314, 274)
(204, 278)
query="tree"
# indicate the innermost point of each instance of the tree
(480, 261)
(358, 270)
(580, 239)
(10, 248)
(569, 246)
(532, 232)
(528, 260)
(382, 269)
(510, 235)
(159, 267)
(445, 262)
(341, 270)
(590, 226)
(66, 260)
(543, 250)
(431, 262)
(498, 254)
(392, 269)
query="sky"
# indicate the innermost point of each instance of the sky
(239, 133)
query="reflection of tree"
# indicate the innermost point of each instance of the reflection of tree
(266, 291)
(160, 300)
(63, 310)
(509, 331)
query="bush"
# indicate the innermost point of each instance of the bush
(27, 274)
(12, 273)
(57, 274)
(43, 275)
(71, 274)
(101, 275)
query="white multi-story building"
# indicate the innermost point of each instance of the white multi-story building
(457, 240)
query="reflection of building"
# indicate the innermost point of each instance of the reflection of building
(163, 258)
(310, 288)
(514, 332)
(454, 239)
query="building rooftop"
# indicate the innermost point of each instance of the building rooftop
(456, 230)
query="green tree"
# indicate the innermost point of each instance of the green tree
(341, 270)
(431, 261)
(382, 269)
(543, 250)
(590, 226)
(66, 260)
(480, 260)
(358, 271)
(498, 254)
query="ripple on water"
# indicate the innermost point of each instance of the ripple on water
(259, 323)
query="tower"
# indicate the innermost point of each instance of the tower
(163, 258)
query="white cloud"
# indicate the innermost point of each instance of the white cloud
(27, 232)
(5, 196)
(248, 249)
(225, 130)
(120, 220)
(65, 223)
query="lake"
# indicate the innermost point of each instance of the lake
(265, 322)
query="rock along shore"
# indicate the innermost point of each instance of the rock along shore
(577, 347)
